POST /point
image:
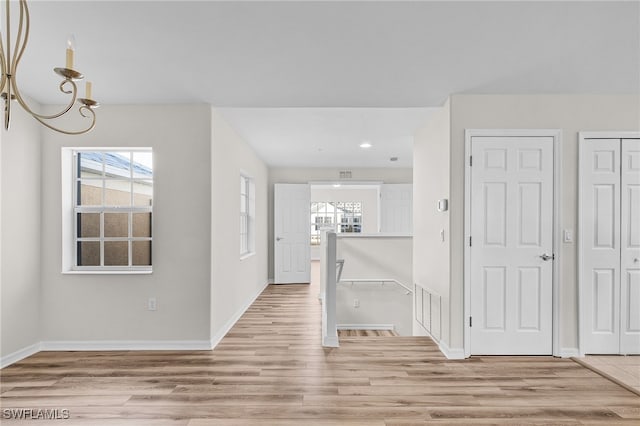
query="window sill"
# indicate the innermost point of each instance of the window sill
(247, 255)
(114, 272)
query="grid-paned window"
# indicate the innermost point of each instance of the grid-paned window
(113, 203)
(247, 215)
(337, 216)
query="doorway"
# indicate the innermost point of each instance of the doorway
(609, 258)
(511, 251)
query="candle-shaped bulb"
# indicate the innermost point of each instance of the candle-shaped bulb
(88, 89)
(71, 47)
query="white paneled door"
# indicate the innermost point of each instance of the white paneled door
(511, 245)
(610, 245)
(292, 233)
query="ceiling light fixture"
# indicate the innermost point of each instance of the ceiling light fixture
(9, 86)
(365, 145)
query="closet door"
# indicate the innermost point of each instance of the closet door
(630, 247)
(600, 221)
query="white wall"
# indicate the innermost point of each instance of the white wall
(306, 175)
(431, 183)
(81, 308)
(234, 282)
(375, 257)
(20, 181)
(571, 114)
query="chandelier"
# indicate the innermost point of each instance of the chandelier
(10, 56)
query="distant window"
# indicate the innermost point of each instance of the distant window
(247, 215)
(338, 216)
(113, 203)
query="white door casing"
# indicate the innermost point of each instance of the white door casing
(511, 234)
(292, 233)
(609, 261)
(396, 208)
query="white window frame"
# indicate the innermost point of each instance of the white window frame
(335, 224)
(71, 209)
(247, 217)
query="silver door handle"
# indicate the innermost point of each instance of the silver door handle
(547, 257)
(279, 238)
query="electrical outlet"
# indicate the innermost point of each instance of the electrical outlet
(356, 303)
(152, 304)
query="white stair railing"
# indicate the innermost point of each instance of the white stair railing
(328, 277)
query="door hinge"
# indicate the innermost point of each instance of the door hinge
(470, 160)
(470, 321)
(469, 241)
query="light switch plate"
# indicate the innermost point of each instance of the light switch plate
(568, 236)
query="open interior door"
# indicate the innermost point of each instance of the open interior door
(292, 233)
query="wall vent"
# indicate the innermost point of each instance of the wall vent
(345, 174)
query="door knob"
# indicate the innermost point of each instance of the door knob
(547, 257)
(279, 238)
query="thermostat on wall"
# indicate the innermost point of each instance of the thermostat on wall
(443, 205)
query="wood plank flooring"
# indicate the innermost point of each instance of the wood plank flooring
(624, 370)
(366, 333)
(271, 370)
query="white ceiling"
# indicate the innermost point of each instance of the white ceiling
(329, 137)
(332, 54)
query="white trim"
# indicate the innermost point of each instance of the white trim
(556, 134)
(608, 135)
(219, 335)
(374, 281)
(247, 255)
(582, 136)
(369, 235)
(19, 355)
(330, 342)
(108, 272)
(125, 345)
(570, 353)
(344, 183)
(451, 353)
(365, 327)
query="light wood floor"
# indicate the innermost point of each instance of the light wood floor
(621, 369)
(270, 369)
(366, 333)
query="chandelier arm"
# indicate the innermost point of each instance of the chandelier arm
(14, 62)
(20, 47)
(82, 111)
(24, 16)
(66, 109)
(3, 65)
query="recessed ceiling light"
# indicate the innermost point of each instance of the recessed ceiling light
(365, 145)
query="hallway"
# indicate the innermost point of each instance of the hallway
(271, 369)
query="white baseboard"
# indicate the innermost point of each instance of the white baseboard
(125, 345)
(455, 353)
(20, 354)
(217, 337)
(570, 353)
(330, 341)
(365, 327)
